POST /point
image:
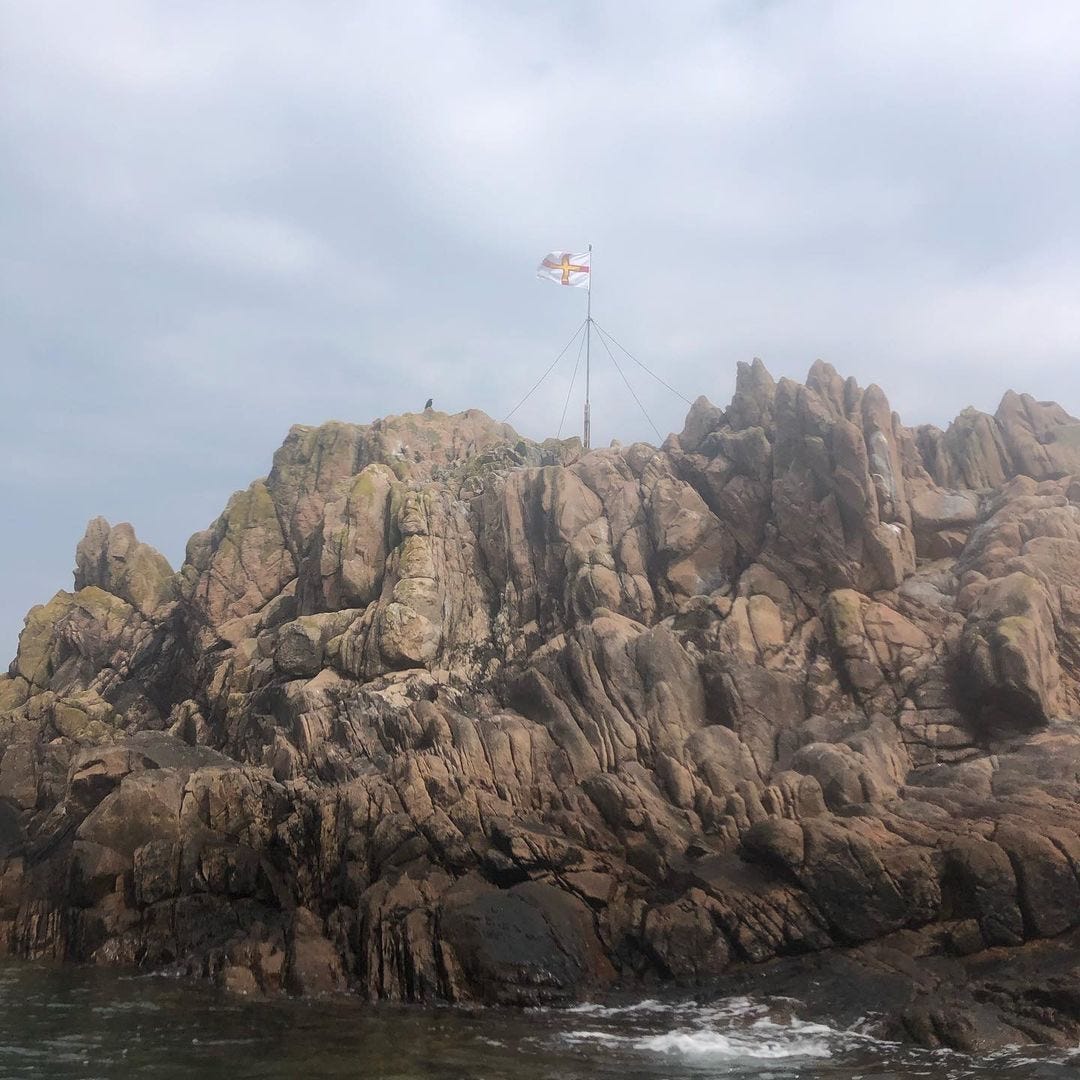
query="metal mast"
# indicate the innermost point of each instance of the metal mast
(588, 342)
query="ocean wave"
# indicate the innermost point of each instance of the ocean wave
(594, 1008)
(717, 1044)
(745, 1034)
(727, 1008)
(738, 1028)
(609, 1038)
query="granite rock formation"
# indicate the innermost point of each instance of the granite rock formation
(433, 711)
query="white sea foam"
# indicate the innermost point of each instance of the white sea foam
(607, 1037)
(728, 1008)
(753, 1032)
(594, 1008)
(705, 1043)
(737, 1028)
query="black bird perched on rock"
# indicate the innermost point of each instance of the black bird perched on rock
(428, 405)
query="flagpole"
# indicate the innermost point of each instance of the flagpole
(588, 343)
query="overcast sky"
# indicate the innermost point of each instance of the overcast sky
(220, 219)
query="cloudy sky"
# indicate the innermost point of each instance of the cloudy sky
(222, 219)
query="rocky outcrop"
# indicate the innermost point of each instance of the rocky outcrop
(113, 559)
(433, 711)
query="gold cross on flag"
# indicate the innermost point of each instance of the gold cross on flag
(566, 268)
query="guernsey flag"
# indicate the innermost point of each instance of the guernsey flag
(566, 268)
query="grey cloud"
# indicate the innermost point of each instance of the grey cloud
(222, 220)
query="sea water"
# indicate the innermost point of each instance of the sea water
(74, 1022)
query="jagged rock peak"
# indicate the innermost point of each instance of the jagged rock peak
(112, 558)
(977, 451)
(1024, 437)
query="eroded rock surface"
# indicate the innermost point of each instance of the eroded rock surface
(433, 711)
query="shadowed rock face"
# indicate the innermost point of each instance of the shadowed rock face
(435, 711)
